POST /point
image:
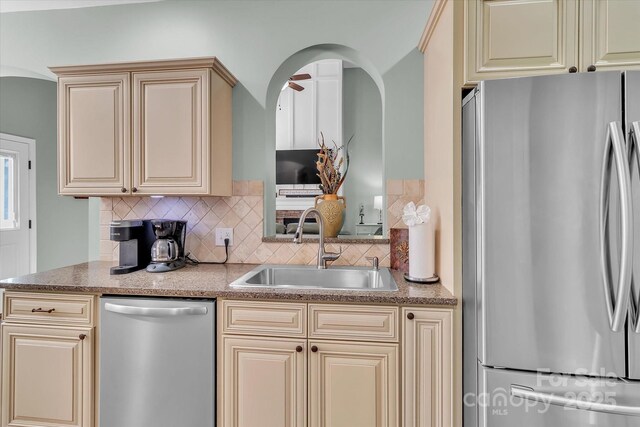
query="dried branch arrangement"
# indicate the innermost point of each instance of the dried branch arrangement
(329, 165)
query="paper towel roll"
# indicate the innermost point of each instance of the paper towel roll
(421, 251)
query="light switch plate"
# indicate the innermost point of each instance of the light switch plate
(224, 233)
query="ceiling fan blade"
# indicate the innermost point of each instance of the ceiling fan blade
(300, 77)
(296, 86)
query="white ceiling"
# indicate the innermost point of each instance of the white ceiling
(31, 5)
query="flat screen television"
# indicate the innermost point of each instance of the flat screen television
(296, 167)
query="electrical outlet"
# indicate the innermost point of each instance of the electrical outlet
(224, 233)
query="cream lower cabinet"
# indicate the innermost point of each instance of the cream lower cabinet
(427, 370)
(342, 369)
(48, 360)
(47, 376)
(353, 384)
(265, 382)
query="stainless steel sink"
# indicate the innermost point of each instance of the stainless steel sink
(310, 277)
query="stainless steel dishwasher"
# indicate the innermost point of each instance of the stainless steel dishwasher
(157, 362)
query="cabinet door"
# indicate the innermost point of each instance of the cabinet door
(93, 134)
(47, 376)
(610, 34)
(353, 385)
(264, 382)
(427, 338)
(171, 132)
(507, 38)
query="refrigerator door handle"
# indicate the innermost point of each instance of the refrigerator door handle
(634, 154)
(617, 301)
(155, 311)
(572, 402)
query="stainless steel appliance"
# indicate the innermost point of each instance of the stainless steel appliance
(157, 364)
(136, 239)
(551, 246)
(167, 252)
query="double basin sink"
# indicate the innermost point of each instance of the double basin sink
(310, 277)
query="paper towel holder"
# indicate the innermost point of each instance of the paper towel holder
(428, 280)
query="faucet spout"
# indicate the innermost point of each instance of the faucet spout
(323, 255)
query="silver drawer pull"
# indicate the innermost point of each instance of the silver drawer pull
(586, 405)
(155, 311)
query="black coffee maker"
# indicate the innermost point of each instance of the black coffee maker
(136, 238)
(167, 252)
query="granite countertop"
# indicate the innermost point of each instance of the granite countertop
(210, 281)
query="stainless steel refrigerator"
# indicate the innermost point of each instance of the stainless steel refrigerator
(551, 249)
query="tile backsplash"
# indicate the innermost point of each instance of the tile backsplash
(399, 193)
(243, 211)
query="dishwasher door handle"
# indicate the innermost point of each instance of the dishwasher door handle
(155, 311)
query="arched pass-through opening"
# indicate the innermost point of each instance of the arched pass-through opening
(279, 78)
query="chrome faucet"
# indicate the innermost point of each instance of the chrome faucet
(323, 256)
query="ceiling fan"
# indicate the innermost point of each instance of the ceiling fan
(297, 77)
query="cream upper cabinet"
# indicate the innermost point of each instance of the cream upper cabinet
(610, 34)
(427, 337)
(512, 38)
(48, 376)
(353, 384)
(151, 128)
(264, 382)
(171, 132)
(508, 38)
(93, 134)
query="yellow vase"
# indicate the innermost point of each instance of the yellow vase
(331, 207)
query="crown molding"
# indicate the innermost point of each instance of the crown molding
(161, 65)
(432, 22)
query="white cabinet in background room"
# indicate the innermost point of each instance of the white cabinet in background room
(301, 116)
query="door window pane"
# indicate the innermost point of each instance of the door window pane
(8, 191)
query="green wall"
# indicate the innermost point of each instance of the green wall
(362, 113)
(28, 108)
(254, 39)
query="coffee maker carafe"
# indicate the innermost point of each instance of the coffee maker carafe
(167, 252)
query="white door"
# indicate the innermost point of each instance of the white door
(16, 206)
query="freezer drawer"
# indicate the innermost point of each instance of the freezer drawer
(501, 406)
(157, 364)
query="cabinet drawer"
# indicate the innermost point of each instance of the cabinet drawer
(55, 309)
(353, 322)
(264, 318)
